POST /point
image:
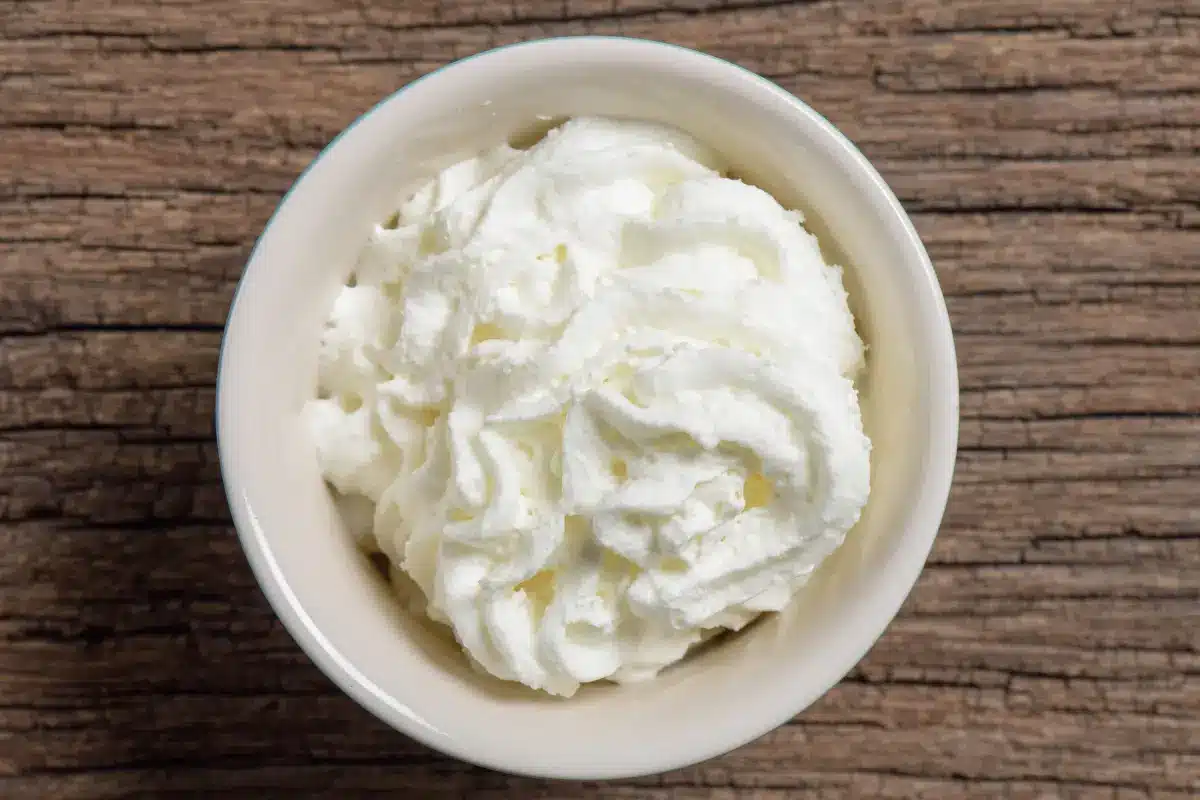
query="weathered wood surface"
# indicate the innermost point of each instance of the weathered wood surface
(1050, 153)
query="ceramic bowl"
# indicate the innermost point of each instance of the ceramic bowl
(408, 672)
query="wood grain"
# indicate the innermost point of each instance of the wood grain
(1049, 151)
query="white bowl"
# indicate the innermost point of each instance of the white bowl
(332, 600)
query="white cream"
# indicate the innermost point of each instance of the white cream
(602, 399)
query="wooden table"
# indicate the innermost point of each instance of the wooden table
(1048, 150)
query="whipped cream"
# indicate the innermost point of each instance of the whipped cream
(601, 399)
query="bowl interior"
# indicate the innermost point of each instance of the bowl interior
(332, 599)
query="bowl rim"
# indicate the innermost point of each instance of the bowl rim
(905, 564)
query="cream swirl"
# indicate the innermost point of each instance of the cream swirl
(602, 400)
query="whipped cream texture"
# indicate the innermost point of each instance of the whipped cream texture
(600, 398)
